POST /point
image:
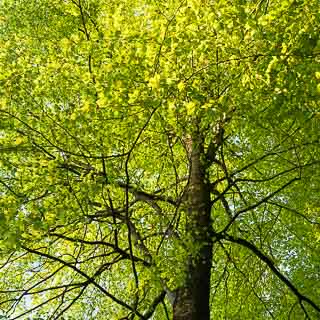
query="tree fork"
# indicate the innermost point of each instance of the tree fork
(192, 301)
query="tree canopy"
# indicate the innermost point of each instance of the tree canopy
(159, 159)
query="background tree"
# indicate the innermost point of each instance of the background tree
(159, 159)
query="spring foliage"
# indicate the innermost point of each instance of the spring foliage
(99, 101)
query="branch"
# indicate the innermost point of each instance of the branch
(273, 268)
(154, 304)
(142, 195)
(252, 207)
(127, 220)
(83, 274)
(70, 304)
(42, 304)
(263, 157)
(282, 206)
(18, 195)
(67, 152)
(103, 243)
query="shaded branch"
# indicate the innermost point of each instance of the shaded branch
(282, 206)
(86, 276)
(154, 304)
(103, 243)
(257, 204)
(273, 268)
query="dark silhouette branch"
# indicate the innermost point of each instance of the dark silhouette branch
(282, 206)
(154, 304)
(102, 243)
(257, 204)
(86, 276)
(257, 252)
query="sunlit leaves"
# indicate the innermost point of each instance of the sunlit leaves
(98, 103)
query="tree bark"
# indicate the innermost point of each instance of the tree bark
(192, 300)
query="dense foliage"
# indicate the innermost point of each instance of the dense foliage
(104, 106)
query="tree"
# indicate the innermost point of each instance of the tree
(159, 159)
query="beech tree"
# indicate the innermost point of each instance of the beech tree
(159, 159)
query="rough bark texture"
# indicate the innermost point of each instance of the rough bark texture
(192, 301)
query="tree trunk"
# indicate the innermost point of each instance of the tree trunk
(192, 301)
